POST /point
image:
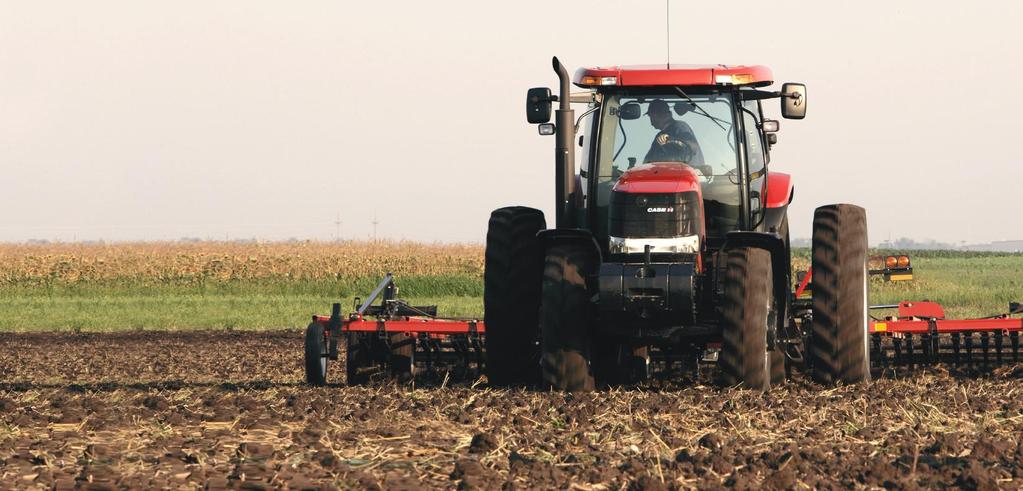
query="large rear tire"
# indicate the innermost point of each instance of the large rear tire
(838, 343)
(511, 295)
(566, 316)
(315, 355)
(744, 359)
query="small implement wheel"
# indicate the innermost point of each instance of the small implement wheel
(745, 360)
(315, 355)
(838, 345)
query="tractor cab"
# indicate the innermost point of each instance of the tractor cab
(671, 156)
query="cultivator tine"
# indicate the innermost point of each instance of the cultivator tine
(985, 344)
(998, 347)
(969, 348)
(956, 338)
(876, 340)
(927, 348)
(1014, 342)
(897, 344)
(909, 350)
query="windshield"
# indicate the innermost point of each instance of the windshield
(636, 129)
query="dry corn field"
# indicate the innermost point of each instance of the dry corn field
(194, 263)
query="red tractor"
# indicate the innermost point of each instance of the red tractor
(671, 241)
(670, 248)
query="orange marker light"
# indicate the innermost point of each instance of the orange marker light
(591, 80)
(891, 262)
(903, 261)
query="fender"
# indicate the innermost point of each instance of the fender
(779, 190)
(581, 237)
(779, 194)
(780, 262)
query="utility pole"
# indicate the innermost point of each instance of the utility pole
(375, 222)
(337, 227)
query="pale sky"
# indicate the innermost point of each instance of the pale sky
(129, 120)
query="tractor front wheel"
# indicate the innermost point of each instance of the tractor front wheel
(565, 316)
(838, 342)
(748, 309)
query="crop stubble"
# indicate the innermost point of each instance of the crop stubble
(193, 409)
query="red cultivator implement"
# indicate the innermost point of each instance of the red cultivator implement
(390, 339)
(920, 334)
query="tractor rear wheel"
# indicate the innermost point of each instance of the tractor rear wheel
(745, 360)
(511, 295)
(838, 348)
(315, 355)
(565, 315)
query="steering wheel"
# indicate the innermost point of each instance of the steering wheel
(688, 152)
(733, 176)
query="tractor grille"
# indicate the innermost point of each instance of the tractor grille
(654, 215)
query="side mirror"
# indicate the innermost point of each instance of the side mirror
(630, 111)
(538, 105)
(793, 101)
(769, 126)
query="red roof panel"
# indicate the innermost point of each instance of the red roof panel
(652, 75)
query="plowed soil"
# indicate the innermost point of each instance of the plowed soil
(228, 409)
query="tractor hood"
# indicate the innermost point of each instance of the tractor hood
(659, 177)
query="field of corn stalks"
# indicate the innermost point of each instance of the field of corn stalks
(184, 263)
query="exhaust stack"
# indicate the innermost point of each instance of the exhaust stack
(564, 157)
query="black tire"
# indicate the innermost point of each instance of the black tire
(511, 295)
(744, 358)
(315, 355)
(565, 316)
(358, 358)
(838, 348)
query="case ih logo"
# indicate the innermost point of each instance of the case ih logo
(660, 209)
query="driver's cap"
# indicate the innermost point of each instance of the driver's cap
(658, 106)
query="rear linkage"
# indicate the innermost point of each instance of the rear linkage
(392, 338)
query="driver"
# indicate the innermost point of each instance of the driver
(675, 142)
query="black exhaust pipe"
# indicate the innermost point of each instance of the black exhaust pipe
(564, 157)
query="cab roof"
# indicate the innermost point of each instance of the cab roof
(672, 75)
